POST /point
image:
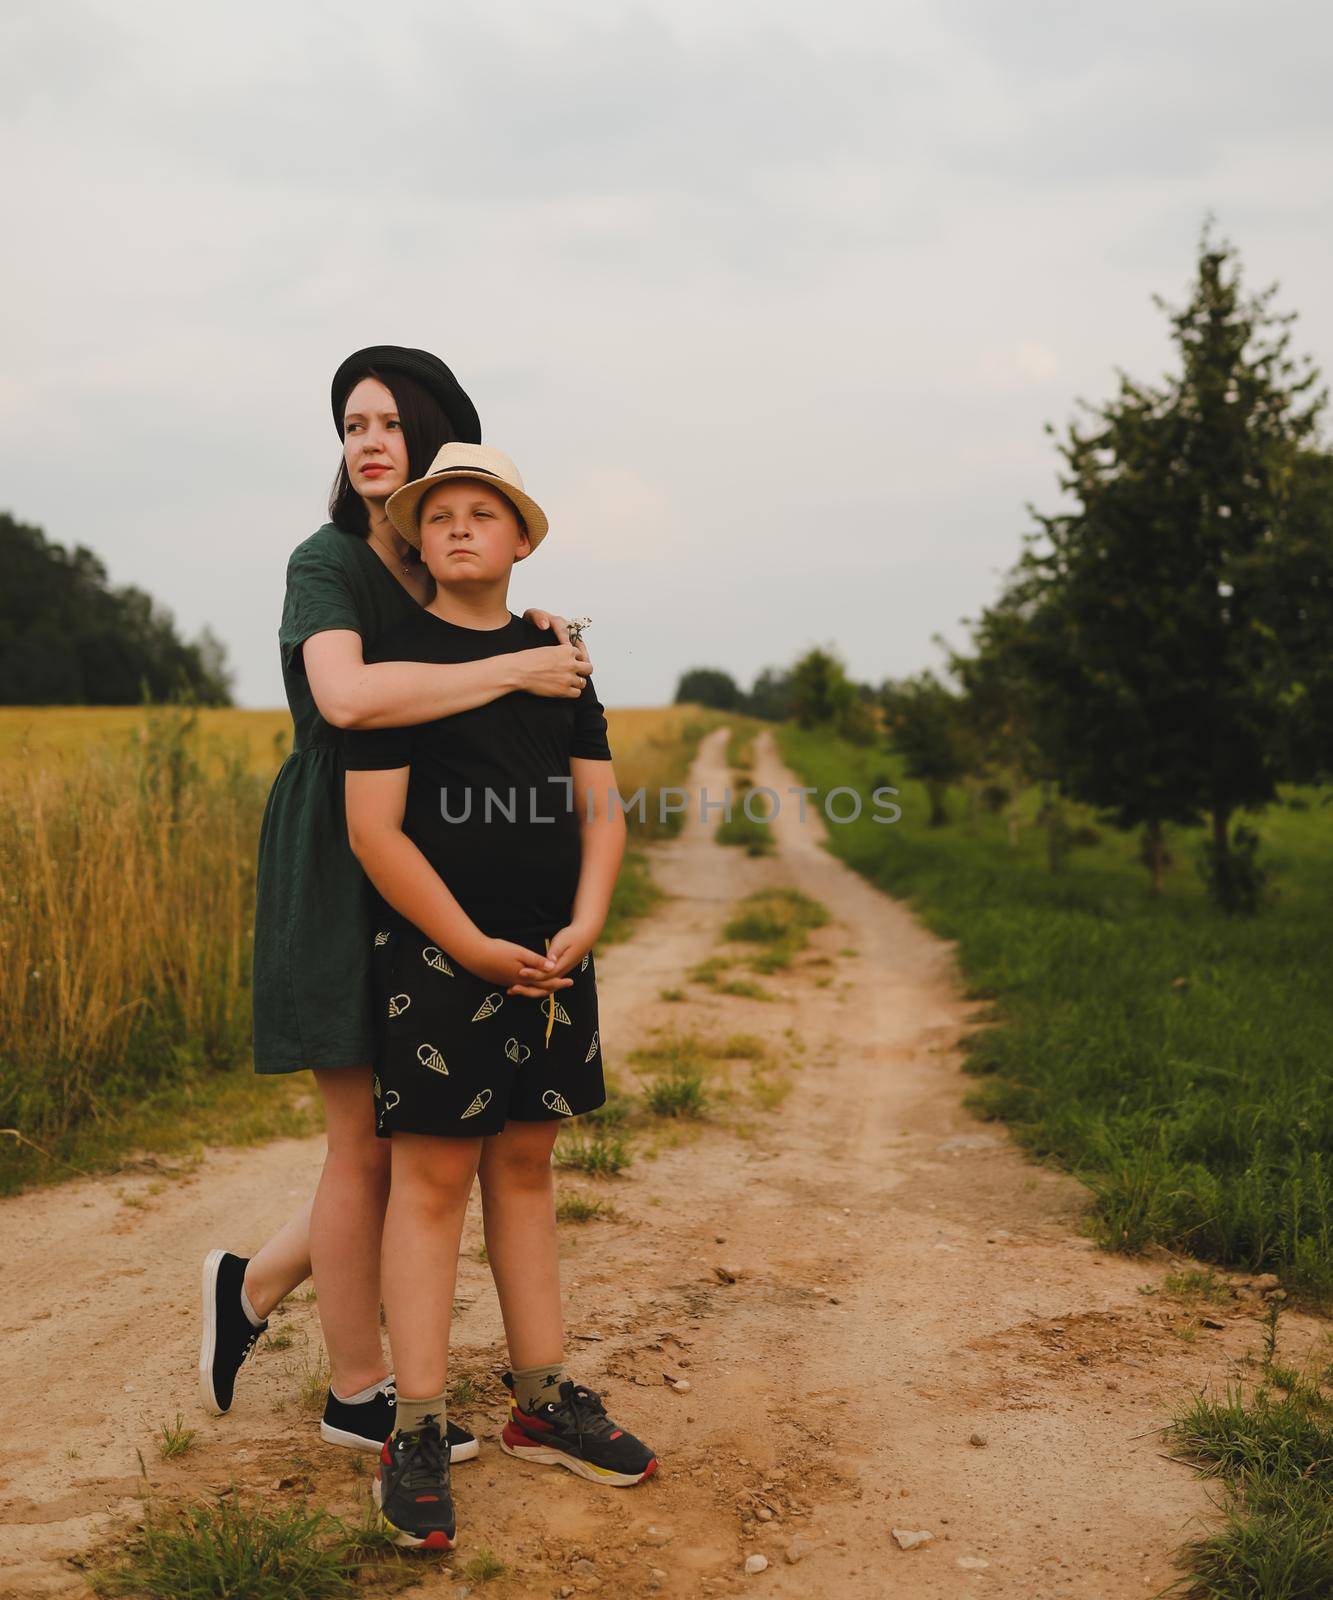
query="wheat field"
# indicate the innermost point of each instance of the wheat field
(127, 854)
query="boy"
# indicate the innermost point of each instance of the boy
(494, 836)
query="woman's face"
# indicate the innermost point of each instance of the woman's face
(373, 443)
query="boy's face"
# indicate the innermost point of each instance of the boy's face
(469, 533)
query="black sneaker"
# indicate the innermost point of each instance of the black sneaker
(229, 1335)
(412, 1489)
(366, 1424)
(575, 1432)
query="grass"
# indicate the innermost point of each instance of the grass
(740, 741)
(779, 921)
(739, 1047)
(310, 1372)
(175, 1439)
(1197, 1283)
(579, 1208)
(614, 1112)
(1174, 1059)
(677, 1094)
(677, 1052)
(599, 1155)
(234, 1551)
(679, 1088)
(769, 1092)
(482, 1567)
(1271, 1448)
(463, 1392)
(750, 824)
(635, 895)
(744, 989)
(124, 935)
(709, 970)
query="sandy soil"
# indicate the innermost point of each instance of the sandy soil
(886, 1317)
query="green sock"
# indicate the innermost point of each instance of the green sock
(412, 1413)
(534, 1386)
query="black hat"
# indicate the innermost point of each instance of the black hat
(428, 370)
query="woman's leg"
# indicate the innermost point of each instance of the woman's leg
(432, 1181)
(280, 1265)
(518, 1213)
(346, 1222)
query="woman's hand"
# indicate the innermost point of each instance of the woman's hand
(548, 619)
(554, 670)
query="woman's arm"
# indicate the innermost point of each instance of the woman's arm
(352, 693)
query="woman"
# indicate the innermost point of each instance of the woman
(393, 407)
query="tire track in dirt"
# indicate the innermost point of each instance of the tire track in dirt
(902, 1281)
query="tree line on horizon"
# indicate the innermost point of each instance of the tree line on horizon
(67, 637)
(1160, 651)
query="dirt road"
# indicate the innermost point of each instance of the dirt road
(917, 1336)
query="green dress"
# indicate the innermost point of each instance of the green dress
(312, 909)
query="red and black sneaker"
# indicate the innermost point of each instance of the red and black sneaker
(412, 1489)
(575, 1432)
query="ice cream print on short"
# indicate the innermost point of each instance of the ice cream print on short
(455, 1056)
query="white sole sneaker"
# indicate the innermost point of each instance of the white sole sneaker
(468, 1451)
(209, 1341)
(585, 1469)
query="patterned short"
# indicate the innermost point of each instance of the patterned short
(456, 1056)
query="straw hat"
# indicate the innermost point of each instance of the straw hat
(458, 460)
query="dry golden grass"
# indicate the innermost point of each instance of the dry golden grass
(125, 924)
(61, 736)
(646, 740)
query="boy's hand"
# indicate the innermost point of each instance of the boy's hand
(568, 947)
(502, 961)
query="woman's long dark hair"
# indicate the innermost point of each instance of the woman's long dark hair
(425, 427)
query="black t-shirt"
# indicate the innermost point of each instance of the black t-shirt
(482, 805)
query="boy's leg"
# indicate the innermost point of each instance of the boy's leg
(518, 1213)
(432, 1180)
(555, 1421)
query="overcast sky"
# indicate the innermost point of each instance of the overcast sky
(769, 301)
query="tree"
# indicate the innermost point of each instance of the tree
(924, 724)
(707, 686)
(821, 692)
(995, 712)
(68, 638)
(771, 696)
(1145, 638)
(1293, 601)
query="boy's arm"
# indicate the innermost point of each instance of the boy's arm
(603, 833)
(375, 800)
